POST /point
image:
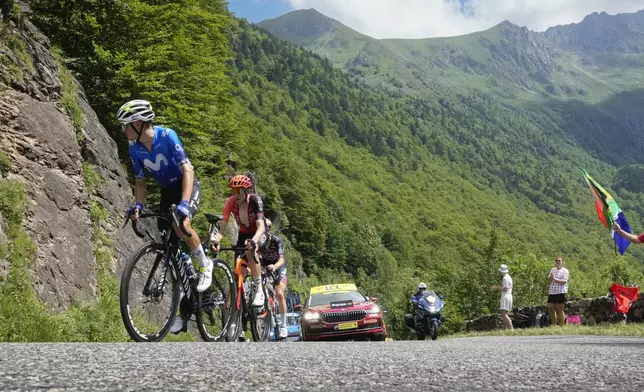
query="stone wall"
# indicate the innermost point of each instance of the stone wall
(592, 311)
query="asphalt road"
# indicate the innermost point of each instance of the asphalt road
(495, 363)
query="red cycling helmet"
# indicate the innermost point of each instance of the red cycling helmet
(240, 181)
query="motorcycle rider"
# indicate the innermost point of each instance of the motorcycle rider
(418, 294)
(409, 317)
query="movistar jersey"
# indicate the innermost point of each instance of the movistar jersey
(164, 161)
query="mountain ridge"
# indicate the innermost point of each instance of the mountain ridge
(508, 61)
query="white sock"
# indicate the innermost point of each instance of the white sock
(283, 320)
(199, 253)
(258, 284)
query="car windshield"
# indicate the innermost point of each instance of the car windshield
(292, 320)
(327, 298)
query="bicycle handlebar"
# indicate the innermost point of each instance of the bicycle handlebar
(233, 248)
(168, 216)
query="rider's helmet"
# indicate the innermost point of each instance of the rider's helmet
(422, 286)
(240, 181)
(134, 110)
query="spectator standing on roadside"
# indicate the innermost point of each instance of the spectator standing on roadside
(558, 292)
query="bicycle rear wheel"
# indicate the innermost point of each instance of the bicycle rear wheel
(236, 311)
(276, 312)
(261, 320)
(146, 280)
(215, 315)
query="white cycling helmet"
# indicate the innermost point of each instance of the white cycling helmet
(135, 110)
(422, 286)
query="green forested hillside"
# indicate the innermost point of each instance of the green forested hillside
(588, 73)
(456, 182)
(366, 184)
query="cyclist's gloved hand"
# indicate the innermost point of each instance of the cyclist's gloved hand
(250, 244)
(183, 208)
(214, 247)
(134, 211)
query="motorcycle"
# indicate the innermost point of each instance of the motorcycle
(427, 316)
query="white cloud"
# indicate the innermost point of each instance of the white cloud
(440, 18)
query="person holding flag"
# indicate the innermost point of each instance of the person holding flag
(610, 215)
(635, 239)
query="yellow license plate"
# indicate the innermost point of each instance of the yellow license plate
(347, 326)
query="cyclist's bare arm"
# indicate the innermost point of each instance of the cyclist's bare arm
(222, 227)
(140, 190)
(139, 196)
(280, 263)
(260, 230)
(187, 180)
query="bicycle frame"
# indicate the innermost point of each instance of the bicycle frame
(240, 265)
(268, 280)
(172, 251)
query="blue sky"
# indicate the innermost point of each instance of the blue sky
(258, 10)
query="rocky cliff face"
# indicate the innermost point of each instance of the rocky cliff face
(520, 54)
(602, 33)
(46, 152)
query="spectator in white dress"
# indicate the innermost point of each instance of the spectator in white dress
(506, 296)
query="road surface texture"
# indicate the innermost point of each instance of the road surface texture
(491, 363)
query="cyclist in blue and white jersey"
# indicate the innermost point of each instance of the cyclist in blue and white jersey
(160, 151)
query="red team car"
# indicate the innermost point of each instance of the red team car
(340, 311)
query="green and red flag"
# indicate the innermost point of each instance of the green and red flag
(608, 212)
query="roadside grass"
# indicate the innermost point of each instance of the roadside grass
(607, 330)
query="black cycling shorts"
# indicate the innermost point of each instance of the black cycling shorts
(557, 298)
(170, 196)
(241, 242)
(280, 276)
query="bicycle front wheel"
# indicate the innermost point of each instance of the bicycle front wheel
(215, 316)
(149, 295)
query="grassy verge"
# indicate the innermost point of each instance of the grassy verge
(70, 96)
(12, 41)
(23, 317)
(608, 330)
(100, 321)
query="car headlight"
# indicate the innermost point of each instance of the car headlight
(311, 316)
(374, 309)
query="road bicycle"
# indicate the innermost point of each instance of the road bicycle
(261, 319)
(159, 272)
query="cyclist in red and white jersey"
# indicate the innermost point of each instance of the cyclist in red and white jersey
(248, 210)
